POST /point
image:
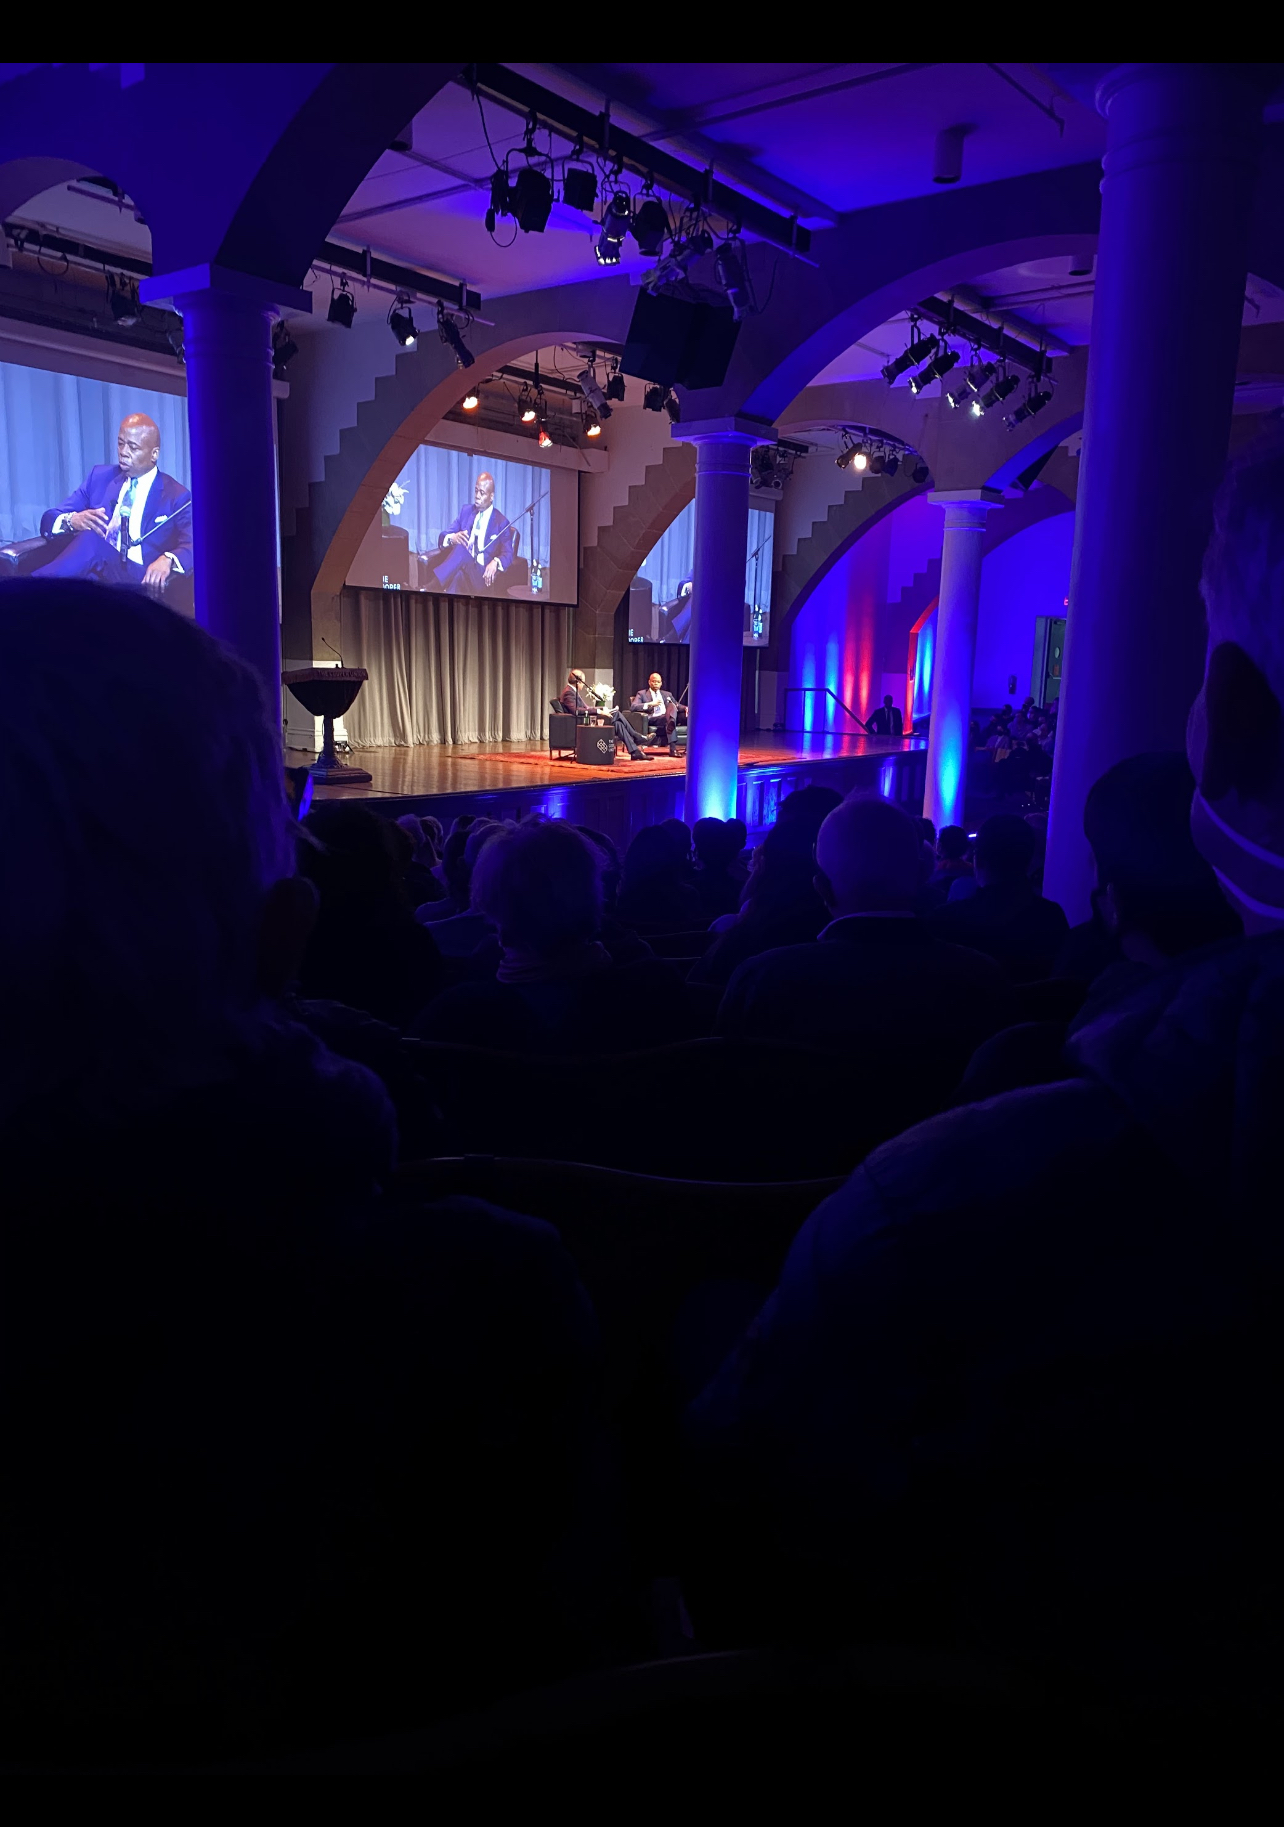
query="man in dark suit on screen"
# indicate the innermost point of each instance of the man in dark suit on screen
(132, 523)
(480, 543)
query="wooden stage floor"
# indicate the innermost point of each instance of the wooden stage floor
(514, 779)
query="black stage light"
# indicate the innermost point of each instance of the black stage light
(1034, 402)
(878, 464)
(913, 357)
(402, 323)
(616, 216)
(615, 386)
(938, 366)
(972, 383)
(174, 338)
(543, 436)
(995, 395)
(920, 472)
(730, 270)
(891, 463)
(650, 225)
(579, 187)
(526, 406)
(122, 296)
(343, 306)
(471, 400)
(590, 421)
(449, 332)
(284, 350)
(653, 399)
(532, 199)
(673, 406)
(846, 454)
(691, 248)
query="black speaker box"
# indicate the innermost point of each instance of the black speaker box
(672, 340)
(595, 745)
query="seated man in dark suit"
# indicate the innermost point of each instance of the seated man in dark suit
(876, 984)
(659, 706)
(885, 721)
(480, 543)
(576, 705)
(132, 522)
(1006, 918)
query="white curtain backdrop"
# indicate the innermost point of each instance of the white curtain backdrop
(451, 668)
(438, 482)
(55, 427)
(667, 566)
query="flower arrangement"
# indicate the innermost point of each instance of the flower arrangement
(394, 500)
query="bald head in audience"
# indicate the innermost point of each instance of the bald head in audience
(868, 859)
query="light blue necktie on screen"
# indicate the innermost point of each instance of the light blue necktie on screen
(126, 509)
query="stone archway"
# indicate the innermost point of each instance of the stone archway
(610, 565)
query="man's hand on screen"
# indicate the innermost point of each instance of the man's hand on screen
(456, 539)
(88, 520)
(492, 571)
(158, 571)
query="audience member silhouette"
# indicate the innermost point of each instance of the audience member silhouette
(876, 986)
(720, 875)
(264, 1434)
(366, 949)
(556, 986)
(1006, 918)
(779, 904)
(657, 886)
(1018, 1384)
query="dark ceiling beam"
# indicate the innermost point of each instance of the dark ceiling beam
(518, 95)
(947, 316)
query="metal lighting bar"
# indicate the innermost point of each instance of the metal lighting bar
(968, 329)
(519, 96)
(365, 265)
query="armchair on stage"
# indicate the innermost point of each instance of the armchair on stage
(22, 557)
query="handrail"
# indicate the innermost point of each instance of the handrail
(825, 691)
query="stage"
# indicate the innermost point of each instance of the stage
(512, 779)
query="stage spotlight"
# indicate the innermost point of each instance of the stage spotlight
(920, 472)
(972, 383)
(593, 392)
(650, 225)
(673, 406)
(449, 332)
(995, 395)
(846, 454)
(938, 366)
(543, 436)
(590, 421)
(470, 402)
(1034, 402)
(891, 463)
(653, 399)
(284, 350)
(402, 323)
(615, 386)
(878, 464)
(730, 270)
(343, 306)
(860, 457)
(122, 296)
(526, 406)
(532, 196)
(917, 353)
(690, 248)
(616, 216)
(579, 188)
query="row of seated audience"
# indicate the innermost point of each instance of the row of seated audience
(293, 1455)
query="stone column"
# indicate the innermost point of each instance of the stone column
(718, 611)
(955, 656)
(227, 344)
(1181, 154)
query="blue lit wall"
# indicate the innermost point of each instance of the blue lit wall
(1025, 577)
(923, 658)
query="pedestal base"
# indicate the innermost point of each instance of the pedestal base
(334, 774)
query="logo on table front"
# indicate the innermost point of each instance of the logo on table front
(603, 746)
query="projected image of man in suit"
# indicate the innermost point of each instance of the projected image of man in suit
(132, 523)
(482, 542)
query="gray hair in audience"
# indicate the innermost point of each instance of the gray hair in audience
(540, 884)
(871, 853)
(144, 816)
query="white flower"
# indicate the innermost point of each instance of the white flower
(394, 499)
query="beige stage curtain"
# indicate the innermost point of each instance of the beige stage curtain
(451, 668)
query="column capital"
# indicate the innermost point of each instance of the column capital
(736, 429)
(224, 282)
(981, 497)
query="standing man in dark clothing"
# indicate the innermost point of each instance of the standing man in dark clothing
(885, 721)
